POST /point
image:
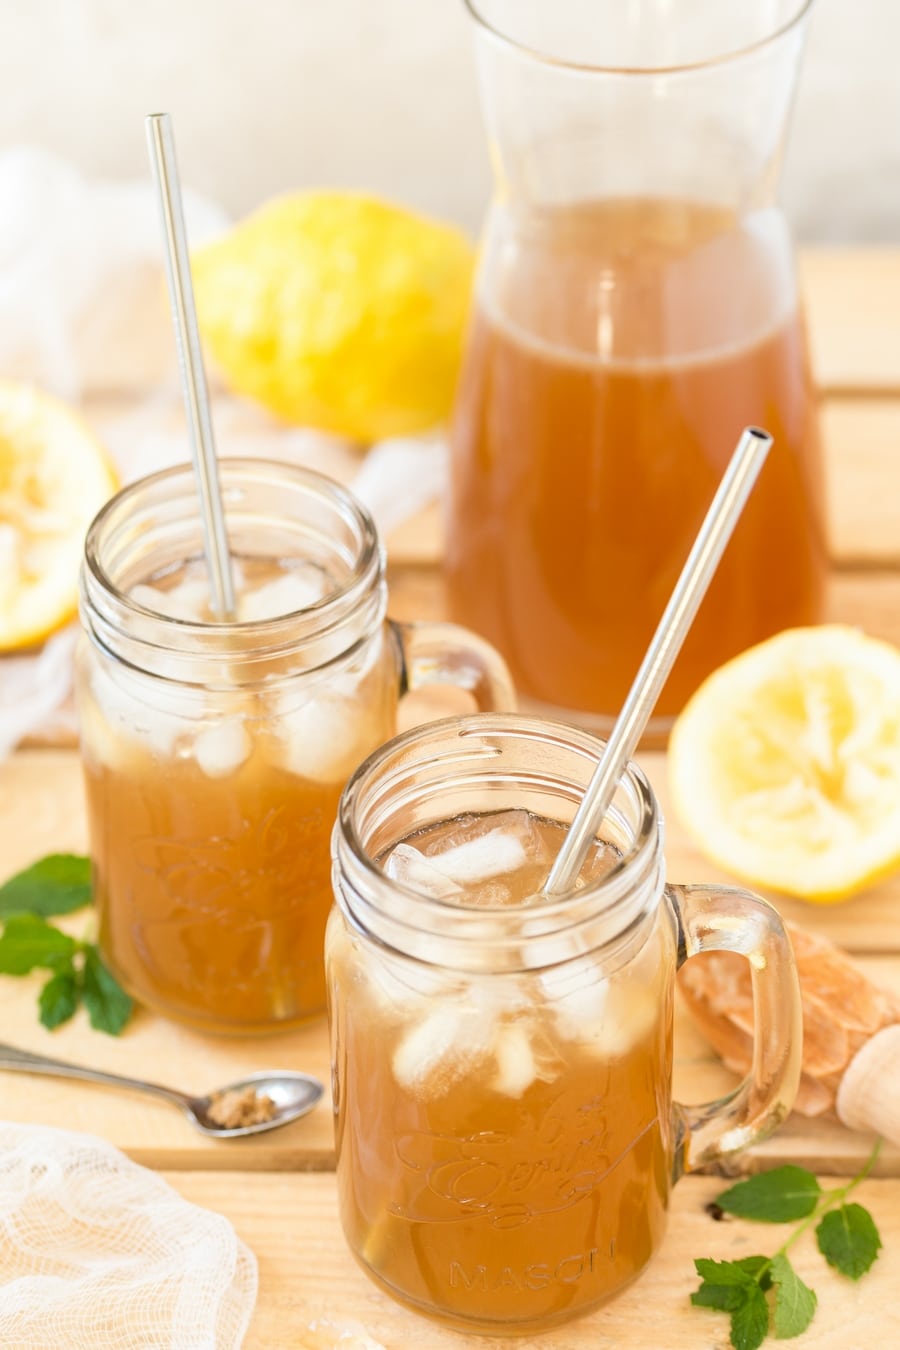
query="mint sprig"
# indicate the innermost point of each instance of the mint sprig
(763, 1293)
(58, 884)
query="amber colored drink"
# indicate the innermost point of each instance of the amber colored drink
(213, 895)
(504, 1144)
(617, 351)
(210, 815)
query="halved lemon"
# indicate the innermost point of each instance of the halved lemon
(785, 764)
(53, 479)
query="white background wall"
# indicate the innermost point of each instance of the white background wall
(270, 95)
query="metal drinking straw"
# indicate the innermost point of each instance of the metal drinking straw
(690, 589)
(161, 142)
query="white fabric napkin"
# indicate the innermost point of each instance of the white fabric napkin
(77, 258)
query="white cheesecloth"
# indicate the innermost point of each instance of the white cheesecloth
(97, 1253)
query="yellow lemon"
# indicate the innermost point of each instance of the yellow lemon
(785, 764)
(339, 311)
(54, 477)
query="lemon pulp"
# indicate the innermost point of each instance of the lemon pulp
(785, 764)
(54, 477)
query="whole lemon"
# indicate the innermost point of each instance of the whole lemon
(340, 311)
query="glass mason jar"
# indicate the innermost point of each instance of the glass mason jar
(214, 754)
(506, 1135)
(636, 307)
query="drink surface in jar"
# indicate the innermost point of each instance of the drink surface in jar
(504, 1150)
(210, 811)
(617, 351)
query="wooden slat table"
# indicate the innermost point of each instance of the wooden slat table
(290, 1221)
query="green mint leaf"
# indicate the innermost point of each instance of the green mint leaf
(108, 1006)
(795, 1302)
(58, 884)
(750, 1321)
(780, 1196)
(758, 1268)
(29, 942)
(734, 1273)
(849, 1240)
(59, 999)
(727, 1282)
(724, 1297)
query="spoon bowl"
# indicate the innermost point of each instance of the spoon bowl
(292, 1094)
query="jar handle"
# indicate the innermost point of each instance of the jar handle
(444, 653)
(722, 918)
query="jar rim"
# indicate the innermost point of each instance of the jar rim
(108, 609)
(611, 905)
(563, 64)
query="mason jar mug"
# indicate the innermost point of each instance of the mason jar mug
(506, 1135)
(215, 753)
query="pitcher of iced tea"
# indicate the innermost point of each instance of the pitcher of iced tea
(215, 753)
(636, 306)
(506, 1135)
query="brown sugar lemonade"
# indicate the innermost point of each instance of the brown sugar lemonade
(215, 753)
(517, 1168)
(502, 1061)
(617, 350)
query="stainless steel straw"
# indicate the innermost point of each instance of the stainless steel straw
(690, 589)
(161, 142)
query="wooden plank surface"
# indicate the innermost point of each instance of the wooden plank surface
(867, 599)
(861, 443)
(307, 1274)
(852, 298)
(277, 1189)
(41, 809)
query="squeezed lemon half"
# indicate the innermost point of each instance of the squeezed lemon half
(339, 311)
(785, 764)
(54, 477)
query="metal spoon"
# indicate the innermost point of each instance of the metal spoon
(293, 1094)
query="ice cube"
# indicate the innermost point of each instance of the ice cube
(403, 988)
(292, 590)
(347, 679)
(137, 707)
(411, 868)
(608, 1018)
(440, 1050)
(579, 1011)
(324, 738)
(479, 859)
(102, 742)
(222, 748)
(489, 846)
(516, 1068)
(189, 600)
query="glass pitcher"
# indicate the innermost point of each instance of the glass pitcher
(636, 306)
(506, 1135)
